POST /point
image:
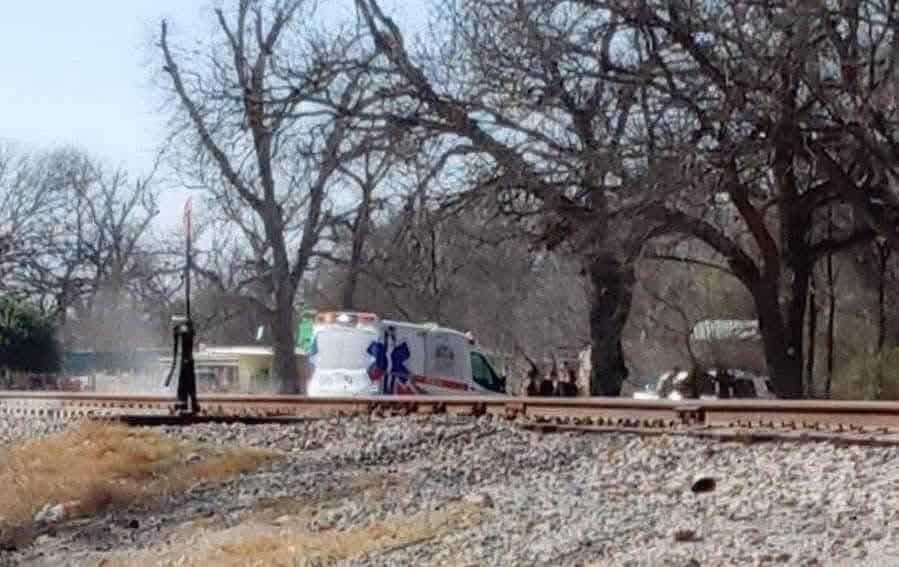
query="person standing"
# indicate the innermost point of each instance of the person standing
(567, 384)
(531, 387)
(547, 385)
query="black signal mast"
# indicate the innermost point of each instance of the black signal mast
(183, 334)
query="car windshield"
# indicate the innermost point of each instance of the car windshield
(343, 348)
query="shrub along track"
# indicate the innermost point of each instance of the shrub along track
(747, 420)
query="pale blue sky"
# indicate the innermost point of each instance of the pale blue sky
(79, 72)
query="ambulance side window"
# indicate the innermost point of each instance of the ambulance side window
(481, 372)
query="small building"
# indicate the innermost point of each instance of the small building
(729, 343)
(245, 369)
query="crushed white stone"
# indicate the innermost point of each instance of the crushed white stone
(560, 499)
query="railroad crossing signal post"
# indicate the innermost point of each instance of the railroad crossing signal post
(183, 335)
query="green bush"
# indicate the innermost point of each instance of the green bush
(871, 377)
(27, 338)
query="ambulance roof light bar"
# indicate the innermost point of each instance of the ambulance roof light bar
(346, 318)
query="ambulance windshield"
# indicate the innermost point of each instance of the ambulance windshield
(342, 348)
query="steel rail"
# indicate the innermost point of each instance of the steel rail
(624, 412)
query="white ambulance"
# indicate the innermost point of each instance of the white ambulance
(355, 354)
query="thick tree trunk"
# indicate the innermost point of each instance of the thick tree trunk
(348, 301)
(612, 292)
(284, 287)
(831, 308)
(782, 355)
(797, 305)
(831, 326)
(781, 294)
(812, 343)
(784, 366)
(883, 259)
(62, 304)
(284, 365)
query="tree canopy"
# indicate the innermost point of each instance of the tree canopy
(27, 337)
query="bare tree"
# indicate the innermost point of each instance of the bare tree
(118, 258)
(28, 199)
(79, 243)
(518, 87)
(226, 297)
(49, 243)
(257, 114)
(753, 90)
(471, 268)
(367, 174)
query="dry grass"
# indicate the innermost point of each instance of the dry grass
(97, 466)
(331, 546)
(261, 545)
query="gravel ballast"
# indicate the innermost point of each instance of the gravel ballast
(18, 428)
(555, 499)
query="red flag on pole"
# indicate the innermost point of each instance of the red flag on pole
(187, 209)
(187, 227)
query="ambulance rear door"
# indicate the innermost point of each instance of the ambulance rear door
(406, 356)
(447, 369)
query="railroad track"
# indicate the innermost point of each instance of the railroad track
(545, 413)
